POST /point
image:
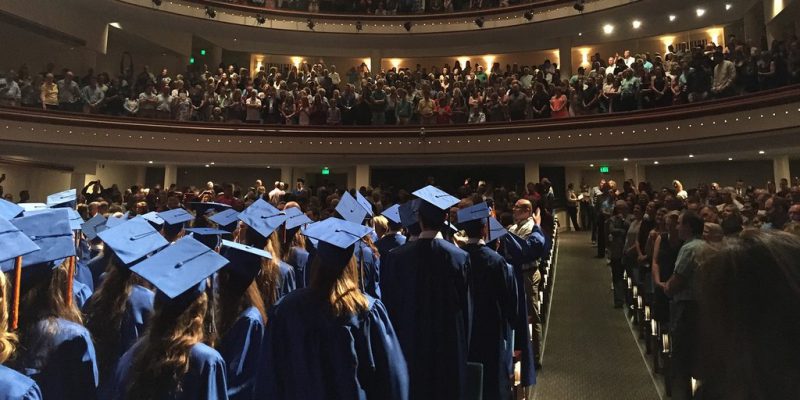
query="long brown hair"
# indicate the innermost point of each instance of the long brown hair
(162, 358)
(290, 244)
(269, 278)
(8, 340)
(105, 311)
(339, 287)
(233, 299)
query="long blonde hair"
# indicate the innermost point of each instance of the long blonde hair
(8, 340)
(269, 278)
(339, 287)
(163, 357)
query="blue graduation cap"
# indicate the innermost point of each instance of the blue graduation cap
(364, 203)
(50, 231)
(496, 230)
(179, 271)
(202, 208)
(75, 219)
(207, 236)
(176, 216)
(262, 217)
(245, 261)
(295, 217)
(27, 207)
(154, 219)
(133, 240)
(336, 238)
(116, 221)
(393, 214)
(13, 243)
(350, 209)
(435, 201)
(478, 212)
(66, 199)
(9, 210)
(93, 226)
(227, 220)
(409, 212)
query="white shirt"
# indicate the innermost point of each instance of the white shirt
(430, 235)
(9, 90)
(629, 61)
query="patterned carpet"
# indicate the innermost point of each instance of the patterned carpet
(589, 350)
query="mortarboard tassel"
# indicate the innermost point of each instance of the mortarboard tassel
(70, 275)
(17, 283)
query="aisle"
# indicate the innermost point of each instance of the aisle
(589, 350)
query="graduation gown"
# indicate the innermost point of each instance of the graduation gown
(15, 386)
(97, 266)
(389, 242)
(205, 379)
(424, 286)
(288, 283)
(83, 274)
(241, 348)
(369, 267)
(80, 293)
(309, 354)
(298, 259)
(62, 360)
(494, 293)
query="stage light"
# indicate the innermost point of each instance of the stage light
(479, 22)
(528, 15)
(211, 12)
(261, 19)
(407, 25)
(310, 24)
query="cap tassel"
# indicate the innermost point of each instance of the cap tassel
(15, 300)
(70, 279)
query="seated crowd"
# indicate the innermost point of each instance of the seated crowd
(319, 95)
(689, 253)
(380, 7)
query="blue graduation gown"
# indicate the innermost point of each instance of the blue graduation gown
(424, 286)
(83, 274)
(242, 350)
(389, 242)
(369, 267)
(80, 293)
(15, 386)
(494, 293)
(97, 266)
(298, 259)
(309, 354)
(288, 283)
(63, 363)
(205, 379)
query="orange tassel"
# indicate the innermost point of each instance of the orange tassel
(70, 276)
(17, 283)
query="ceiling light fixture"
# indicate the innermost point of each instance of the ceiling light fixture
(655, 162)
(115, 25)
(636, 24)
(761, 152)
(728, 6)
(625, 159)
(672, 17)
(608, 29)
(691, 155)
(579, 5)
(700, 12)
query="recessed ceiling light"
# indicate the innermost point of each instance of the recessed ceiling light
(212, 163)
(761, 152)
(728, 6)
(149, 162)
(636, 24)
(655, 162)
(115, 25)
(700, 12)
(691, 155)
(608, 29)
(580, 33)
(730, 158)
(207, 165)
(591, 165)
(672, 17)
(625, 159)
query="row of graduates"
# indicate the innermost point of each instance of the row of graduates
(174, 315)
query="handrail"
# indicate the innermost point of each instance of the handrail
(530, 6)
(738, 103)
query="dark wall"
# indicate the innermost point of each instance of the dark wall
(448, 178)
(242, 177)
(726, 173)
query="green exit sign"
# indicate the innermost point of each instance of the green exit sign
(603, 170)
(326, 171)
(202, 52)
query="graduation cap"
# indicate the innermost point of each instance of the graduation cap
(75, 219)
(295, 217)
(435, 201)
(154, 220)
(393, 214)
(350, 209)
(496, 230)
(409, 212)
(179, 271)
(93, 226)
(365, 203)
(262, 217)
(207, 236)
(50, 231)
(116, 221)
(336, 239)
(27, 207)
(245, 261)
(66, 199)
(473, 215)
(9, 210)
(13, 243)
(202, 208)
(133, 240)
(227, 220)
(174, 220)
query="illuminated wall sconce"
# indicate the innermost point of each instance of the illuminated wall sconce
(296, 61)
(714, 34)
(489, 60)
(395, 62)
(585, 56)
(668, 41)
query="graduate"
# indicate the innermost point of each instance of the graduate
(118, 313)
(175, 221)
(55, 349)
(425, 290)
(241, 318)
(367, 255)
(13, 385)
(99, 259)
(293, 245)
(494, 293)
(392, 238)
(330, 340)
(171, 361)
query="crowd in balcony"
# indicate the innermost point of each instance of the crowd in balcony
(380, 7)
(320, 94)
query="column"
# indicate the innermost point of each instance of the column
(635, 171)
(287, 176)
(77, 180)
(375, 58)
(531, 172)
(170, 175)
(754, 25)
(362, 175)
(565, 57)
(780, 169)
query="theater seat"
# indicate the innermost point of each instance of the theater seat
(474, 381)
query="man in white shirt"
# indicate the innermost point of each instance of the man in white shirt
(276, 194)
(526, 79)
(92, 96)
(629, 60)
(10, 94)
(69, 94)
(724, 75)
(164, 103)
